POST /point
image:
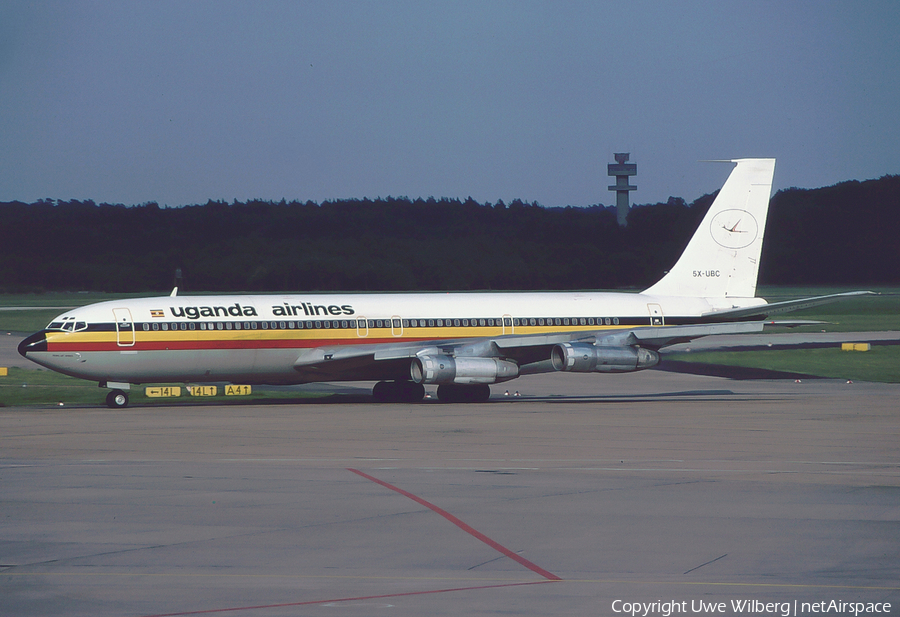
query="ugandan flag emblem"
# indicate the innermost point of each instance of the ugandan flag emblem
(157, 313)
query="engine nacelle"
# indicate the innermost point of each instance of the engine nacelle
(446, 369)
(586, 358)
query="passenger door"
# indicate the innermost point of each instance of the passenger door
(124, 327)
(656, 315)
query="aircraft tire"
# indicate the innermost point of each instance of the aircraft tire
(117, 399)
(458, 393)
(413, 392)
(398, 392)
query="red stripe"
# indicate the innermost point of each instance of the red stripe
(381, 597)
(469, 530)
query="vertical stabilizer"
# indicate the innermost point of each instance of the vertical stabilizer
(722, 258)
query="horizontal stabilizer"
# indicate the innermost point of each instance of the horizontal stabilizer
(780, 307)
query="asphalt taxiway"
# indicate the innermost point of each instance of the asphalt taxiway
(584, 491)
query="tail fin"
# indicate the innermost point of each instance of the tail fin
(722, 258)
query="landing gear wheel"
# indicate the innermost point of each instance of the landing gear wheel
(117, 399)
(398, 392)
(457, 393)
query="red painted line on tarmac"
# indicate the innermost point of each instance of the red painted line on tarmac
(469, 530)
(311, 602)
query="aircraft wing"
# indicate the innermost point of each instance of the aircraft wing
(392, 360)
(779, 307)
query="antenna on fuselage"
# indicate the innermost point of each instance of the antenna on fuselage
(177, 283)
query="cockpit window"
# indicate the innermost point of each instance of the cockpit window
(67, 324)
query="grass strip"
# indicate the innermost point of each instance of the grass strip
(881, 363)
(24, 387)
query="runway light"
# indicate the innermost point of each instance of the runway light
(797, 381)
(506, 393)
(849, 381)
(517, 393)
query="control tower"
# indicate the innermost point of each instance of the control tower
(622, 169)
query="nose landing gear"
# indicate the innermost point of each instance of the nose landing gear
(117, 399)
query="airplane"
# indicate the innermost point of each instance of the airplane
(461, 342)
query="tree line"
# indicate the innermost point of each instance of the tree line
(839, 235)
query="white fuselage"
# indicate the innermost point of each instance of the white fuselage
(260, 338)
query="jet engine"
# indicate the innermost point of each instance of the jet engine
(443, 369)
(587, 358)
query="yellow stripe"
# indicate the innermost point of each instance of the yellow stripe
(348, 334)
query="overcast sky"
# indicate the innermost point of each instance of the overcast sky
(181, 102)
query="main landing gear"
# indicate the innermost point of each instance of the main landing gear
(398, 392)
(117, 399)
(409, 392)
(459, 393)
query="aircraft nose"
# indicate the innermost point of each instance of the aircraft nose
(35, 342)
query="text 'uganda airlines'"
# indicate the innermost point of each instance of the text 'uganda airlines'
(462, 341)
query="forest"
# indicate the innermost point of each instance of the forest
(840, 235)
